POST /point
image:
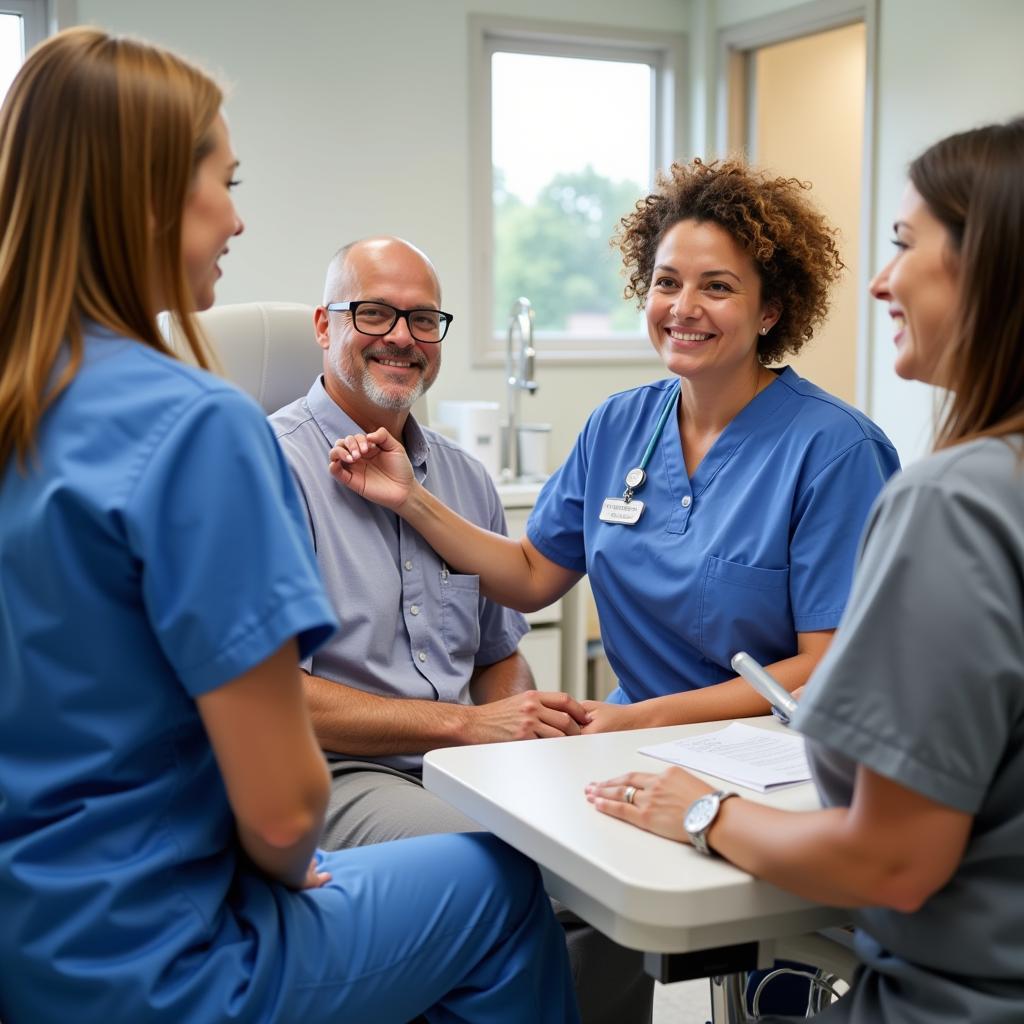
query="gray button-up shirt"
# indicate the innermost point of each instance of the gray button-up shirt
(409, 626)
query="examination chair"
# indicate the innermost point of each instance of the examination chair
(267, 348)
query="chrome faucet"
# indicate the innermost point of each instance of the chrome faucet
(520, 356)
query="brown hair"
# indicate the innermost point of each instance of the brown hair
(99, 140)
(792, 245)
(973, 183)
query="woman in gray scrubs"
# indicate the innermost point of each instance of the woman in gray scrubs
(915, 717)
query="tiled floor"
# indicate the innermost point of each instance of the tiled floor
(689, 1002)
(685, 1002)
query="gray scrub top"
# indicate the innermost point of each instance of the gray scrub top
(924, 684)
(409, 626)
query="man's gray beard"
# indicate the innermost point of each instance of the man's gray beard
(363, 383)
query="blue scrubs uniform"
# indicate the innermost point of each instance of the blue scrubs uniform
(757, 546)
(152, 550)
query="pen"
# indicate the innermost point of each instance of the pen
(781, 700)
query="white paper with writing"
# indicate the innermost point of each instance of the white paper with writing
(759, 759)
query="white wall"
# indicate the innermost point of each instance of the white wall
(943, 66)
(351, 118)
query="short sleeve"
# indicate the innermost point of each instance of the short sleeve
(922, 683)
(228, 573)
(555, 527)
(829, 519)
(501, 628)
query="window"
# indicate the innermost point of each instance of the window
(22, 25)
(569, 131)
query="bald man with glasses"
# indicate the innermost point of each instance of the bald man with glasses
(421, 659)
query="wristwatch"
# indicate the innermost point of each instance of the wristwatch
(701, 816)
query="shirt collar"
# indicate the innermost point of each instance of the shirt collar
(334, 422)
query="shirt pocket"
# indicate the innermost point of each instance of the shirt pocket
(460, 614)
(745, 608)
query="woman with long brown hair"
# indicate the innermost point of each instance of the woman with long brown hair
(161, 790)
(915, 717)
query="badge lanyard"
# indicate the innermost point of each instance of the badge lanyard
(625, 510)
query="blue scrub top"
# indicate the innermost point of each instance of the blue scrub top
(757, 546)
(153, 550)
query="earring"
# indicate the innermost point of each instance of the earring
(764, 330)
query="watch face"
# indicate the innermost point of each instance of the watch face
(701, 813)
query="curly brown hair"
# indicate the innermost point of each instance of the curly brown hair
(791, 243)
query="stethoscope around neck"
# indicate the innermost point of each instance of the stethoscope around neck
(637, 476)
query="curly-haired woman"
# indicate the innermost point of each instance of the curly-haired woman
(716, 510)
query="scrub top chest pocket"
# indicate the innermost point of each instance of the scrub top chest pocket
(745, 604)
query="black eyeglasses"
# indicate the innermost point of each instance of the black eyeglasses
(428, 326)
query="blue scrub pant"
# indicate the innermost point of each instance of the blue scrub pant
(457, 928)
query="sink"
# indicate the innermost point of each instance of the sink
(521, 491)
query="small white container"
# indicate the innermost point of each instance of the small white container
(533, 450)
(477, 427)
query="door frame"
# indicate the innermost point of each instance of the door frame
(734, 93)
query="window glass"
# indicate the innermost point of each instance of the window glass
(572, 149)
(12, 49)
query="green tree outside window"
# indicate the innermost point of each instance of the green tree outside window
(556, 252)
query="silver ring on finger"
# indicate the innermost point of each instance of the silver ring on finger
(630, 793)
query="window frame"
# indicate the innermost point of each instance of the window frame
(33, 14)
(665, 52)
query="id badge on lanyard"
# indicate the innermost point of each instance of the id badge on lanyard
(626, 511)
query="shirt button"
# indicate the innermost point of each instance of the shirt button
(686, 501)
(422, 655)
(408, 564)
(415, 609)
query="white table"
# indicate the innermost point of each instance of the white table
(645, 892)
